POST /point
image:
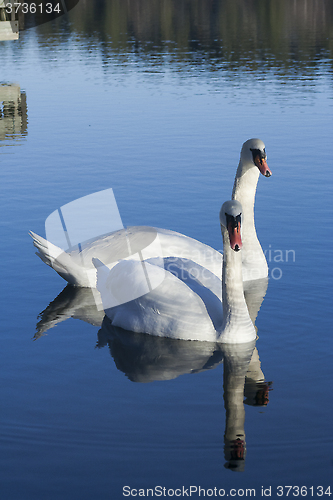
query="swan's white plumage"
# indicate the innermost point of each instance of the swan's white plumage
(244, 190)
(185, 303)
(77, 268)
(172, 309)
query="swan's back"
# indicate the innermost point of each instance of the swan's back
(137, 242)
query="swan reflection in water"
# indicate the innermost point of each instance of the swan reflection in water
(72, 302)
(146, 358)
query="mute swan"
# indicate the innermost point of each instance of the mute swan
(76, 266)
(180, 306)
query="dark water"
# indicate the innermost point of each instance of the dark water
(154, 99)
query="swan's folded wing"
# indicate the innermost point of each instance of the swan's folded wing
(171, 309)
(178, 245)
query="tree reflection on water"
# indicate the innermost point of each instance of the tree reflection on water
(229, 35)
(215, 33)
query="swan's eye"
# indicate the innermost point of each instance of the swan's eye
(233, 221)
(255, 153)
(258, 152)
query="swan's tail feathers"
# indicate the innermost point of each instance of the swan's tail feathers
(48, 252)
(59, 260)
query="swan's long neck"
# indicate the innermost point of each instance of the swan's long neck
(244, 191)
(237, 326)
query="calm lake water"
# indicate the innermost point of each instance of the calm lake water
(154, 100)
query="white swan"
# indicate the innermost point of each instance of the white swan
(253, 153)
(76, 266)
(181, 306)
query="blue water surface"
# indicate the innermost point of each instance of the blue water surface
(77, 419)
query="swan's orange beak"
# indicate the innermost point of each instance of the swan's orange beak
(234, 230)
(262, 165)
